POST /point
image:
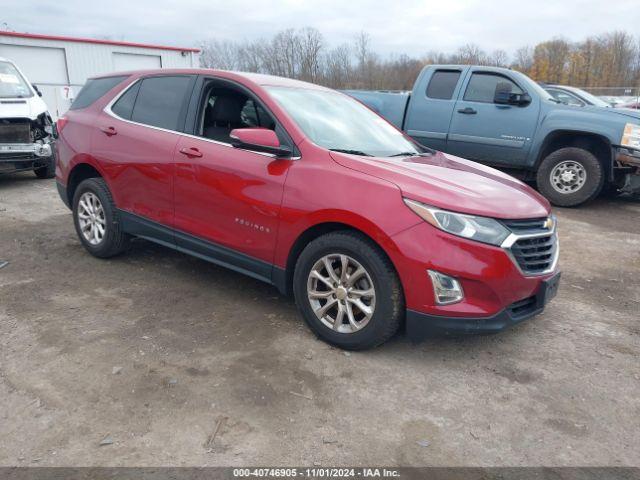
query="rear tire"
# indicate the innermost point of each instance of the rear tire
(369, 294)
(47, 171)
(96, 219)
(570, 176)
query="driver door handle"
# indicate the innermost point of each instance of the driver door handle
(468, 111)
(108, 131)
(191, 152)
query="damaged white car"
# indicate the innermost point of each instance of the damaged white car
(26, 127)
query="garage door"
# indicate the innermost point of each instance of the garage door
(41, 65)
(132, 61)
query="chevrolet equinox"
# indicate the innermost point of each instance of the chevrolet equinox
(307, 189)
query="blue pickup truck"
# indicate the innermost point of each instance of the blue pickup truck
(502, 118)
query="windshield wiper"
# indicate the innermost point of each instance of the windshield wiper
(410, 154)
(352, 152)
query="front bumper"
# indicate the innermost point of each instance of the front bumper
(17, 157)
(421, 325)
(11, 152)
(628, 170)
(489, 277)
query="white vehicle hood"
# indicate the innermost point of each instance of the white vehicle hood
(22, 107)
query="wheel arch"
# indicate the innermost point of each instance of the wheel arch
(597, 144)
(283, 277)
(78, 173)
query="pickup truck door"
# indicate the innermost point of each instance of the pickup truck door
(491, 133)
(431, 106)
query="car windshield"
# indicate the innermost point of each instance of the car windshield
(12, 84)
(592, 99)
(338, 122)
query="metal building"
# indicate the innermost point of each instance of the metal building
(59, 66)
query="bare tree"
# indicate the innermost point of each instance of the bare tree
(219, 54)
(366, 60)
(523, 59)
(612, 59)
(499, 58)
(471, 54)
(310, 43)
(338, 67)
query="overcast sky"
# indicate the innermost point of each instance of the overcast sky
(401, 26)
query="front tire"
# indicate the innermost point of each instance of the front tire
(46, 171)
(348, 291)
(570, 176)
(96, 219)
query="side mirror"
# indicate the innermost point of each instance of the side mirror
(502, 93)
(259, 140)
(35, 87)
(522, 99)
(504, 96)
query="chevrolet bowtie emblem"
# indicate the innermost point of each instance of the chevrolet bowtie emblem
(548, 224)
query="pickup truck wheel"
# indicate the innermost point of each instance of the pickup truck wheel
(96, 219)
(570, 176)
(348, 291)
(46, 171)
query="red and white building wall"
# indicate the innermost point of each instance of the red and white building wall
(59, 66)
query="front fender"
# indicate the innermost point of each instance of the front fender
(575, 121)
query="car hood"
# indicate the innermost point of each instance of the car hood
(21, 108)
(625, 112)
(453, 183)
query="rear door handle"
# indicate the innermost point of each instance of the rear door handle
(468, 111)
(109, 131)
(191, 152)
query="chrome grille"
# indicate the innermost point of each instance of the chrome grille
(532, 245)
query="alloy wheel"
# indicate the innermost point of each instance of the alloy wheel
(341, 293)
(91, 217)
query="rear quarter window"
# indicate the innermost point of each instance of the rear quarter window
(124, 105)
(94, 89)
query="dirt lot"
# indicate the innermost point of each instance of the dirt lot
(151, 349)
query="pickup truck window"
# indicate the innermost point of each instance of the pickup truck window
(338, 122)
(482, 87)
(160, 101)
(442, 84)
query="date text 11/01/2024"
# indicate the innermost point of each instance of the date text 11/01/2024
(316, 472)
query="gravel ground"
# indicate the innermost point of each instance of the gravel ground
(154, 351)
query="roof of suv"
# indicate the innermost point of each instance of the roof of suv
(256, 78)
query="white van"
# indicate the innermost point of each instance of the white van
(26, 127)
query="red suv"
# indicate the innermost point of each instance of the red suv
(307, 189)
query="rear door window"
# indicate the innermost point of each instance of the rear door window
(443, 84)
(94, 89)
(162, 101)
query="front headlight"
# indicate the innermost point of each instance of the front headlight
(631, 136)
(480, 229)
